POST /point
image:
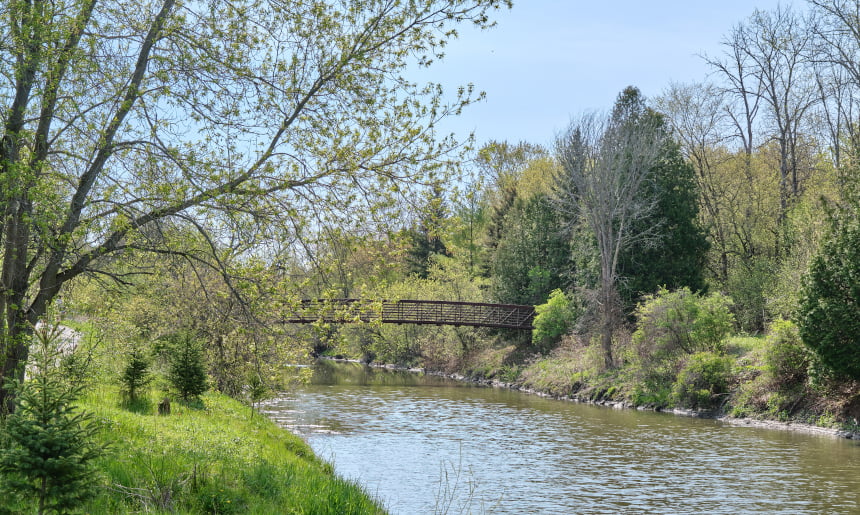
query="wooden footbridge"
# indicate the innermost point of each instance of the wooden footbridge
(427, 312)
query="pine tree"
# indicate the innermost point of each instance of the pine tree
(187, 371)
(49, 444)
(675, 257)
(135, 375)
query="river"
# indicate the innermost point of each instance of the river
(424, 444)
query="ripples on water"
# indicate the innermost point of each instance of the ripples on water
(519, 453)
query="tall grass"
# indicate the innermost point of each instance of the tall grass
(213, 456)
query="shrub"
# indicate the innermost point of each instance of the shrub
(785, 358)
(187, 372)
(703, 379)
(553, 319)
(681, 322)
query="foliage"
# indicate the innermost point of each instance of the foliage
(187, 369)
(442, 347)
(675, 256)
(426, 236)
(786, 359)
(749, 281)
(607, 164)
(703, 381)
(681, 322)
(829, 313)
(249, 123)
(554, 318)
(532, 254)
(136, 374)
(49, 443)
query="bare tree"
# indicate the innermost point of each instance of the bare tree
(743, 88)
(772, 51)
(606, 163)
(837, 67)
(700, 122)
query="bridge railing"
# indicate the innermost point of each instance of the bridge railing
(434, 312)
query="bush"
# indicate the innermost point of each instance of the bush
(553, 319)
(703, 379)
(187, 372)
(680, 322)
(785, 357)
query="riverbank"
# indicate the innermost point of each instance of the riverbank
(211, 456)
(752, 392)
(720, 415)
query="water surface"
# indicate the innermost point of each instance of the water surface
(424, 444)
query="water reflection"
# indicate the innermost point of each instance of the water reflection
(410, 438)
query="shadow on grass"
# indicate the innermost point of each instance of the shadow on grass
(139, 405)
(195, 404)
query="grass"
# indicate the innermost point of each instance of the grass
(213, 456)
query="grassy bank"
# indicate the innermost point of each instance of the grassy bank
(770, 377)
(212, 456)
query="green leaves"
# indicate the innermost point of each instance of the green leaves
(829, 313)
(49, 443)
(249, 121)
(554, 318)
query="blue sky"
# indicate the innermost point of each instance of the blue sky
(550, 60)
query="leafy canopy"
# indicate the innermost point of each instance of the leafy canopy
(250, 121)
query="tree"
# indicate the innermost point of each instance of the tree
(697, 115)
(770, 53)
(135, 374)
(240, 119)
(50, 443)
(503, 163)
(838, 71)
(187, 372)
(607, 164)
(532, 254)
(676, 256)
(426, 235)
(829, 313)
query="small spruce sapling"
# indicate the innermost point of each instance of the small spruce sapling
(49, 444)
(187, 373)
(135, 375)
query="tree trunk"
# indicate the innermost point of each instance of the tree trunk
(15, 354)
(607, 308)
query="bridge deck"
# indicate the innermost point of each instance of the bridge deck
(433, 312)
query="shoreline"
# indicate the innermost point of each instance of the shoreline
(798, 427)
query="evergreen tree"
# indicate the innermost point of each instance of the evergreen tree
(49, 443)
(187, 372)
(532, 256)
(426, 237)
(829, 314)
(675, 257)
(135, 375)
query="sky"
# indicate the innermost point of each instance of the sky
(548, 61)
